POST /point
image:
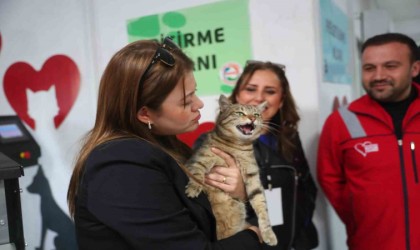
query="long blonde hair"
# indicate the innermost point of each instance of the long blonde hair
(120, 98)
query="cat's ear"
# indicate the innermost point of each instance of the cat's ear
(262, 106)
(224, 102)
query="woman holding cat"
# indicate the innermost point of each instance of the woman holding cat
(127, 190)
(279, 154)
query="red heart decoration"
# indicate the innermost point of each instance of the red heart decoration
(58, 70)
(190, 137)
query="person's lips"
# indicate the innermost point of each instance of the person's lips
(197, 118)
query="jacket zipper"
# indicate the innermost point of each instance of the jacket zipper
(404, 183)
(413, 158)
(296, 181)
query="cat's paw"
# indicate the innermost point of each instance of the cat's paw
(269, 237)
(193, 189)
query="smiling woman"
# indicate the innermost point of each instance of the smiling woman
(282, 166)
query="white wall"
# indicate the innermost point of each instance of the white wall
(32, 32)
(335, 235)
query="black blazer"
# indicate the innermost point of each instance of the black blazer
(132, 196)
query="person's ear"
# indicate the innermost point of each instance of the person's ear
(143, 115)
(415, 69)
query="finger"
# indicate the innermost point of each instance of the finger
(215, 176)
(219, 178)
(226, 187)
(221, 170)
(233, 172)
(219, 183)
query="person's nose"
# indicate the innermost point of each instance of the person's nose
(259, 97)
(198, 104)
(379, 74)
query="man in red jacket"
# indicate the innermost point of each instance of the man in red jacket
(368, 163)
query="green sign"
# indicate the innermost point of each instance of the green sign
(215, 36)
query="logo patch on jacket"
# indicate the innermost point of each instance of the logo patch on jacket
(366, 147)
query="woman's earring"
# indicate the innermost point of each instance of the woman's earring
(149, 125)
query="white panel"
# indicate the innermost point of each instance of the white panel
(375, 22)
(32, 32)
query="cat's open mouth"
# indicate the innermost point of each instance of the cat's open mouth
(246, 129)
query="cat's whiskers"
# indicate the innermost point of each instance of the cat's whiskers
(270, 127)
(273, 124)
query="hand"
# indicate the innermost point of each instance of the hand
(257, 231)
(229, 178)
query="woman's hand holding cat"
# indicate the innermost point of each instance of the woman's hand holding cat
(229, 178)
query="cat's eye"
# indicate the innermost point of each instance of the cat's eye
(257, 115)
(240, 113)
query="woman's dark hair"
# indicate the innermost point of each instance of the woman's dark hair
(284, 123)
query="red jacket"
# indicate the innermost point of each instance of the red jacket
(371, 178)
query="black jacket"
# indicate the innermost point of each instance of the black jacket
(132, 196)
(298, 193)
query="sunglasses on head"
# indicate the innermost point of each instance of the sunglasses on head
(251, 62)
(163, 55)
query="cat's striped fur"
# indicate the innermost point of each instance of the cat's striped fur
(237, 126)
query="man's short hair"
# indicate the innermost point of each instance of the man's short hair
(393, 37)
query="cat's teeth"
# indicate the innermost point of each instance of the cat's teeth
(246, 129)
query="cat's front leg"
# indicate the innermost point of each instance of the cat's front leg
(196, 183)
(268, 236)
(258, 202)
(193, 189)
(259, 205)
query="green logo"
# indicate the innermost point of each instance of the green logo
(212, 35)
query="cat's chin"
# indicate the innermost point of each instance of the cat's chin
(247, 138)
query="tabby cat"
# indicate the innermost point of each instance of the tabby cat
(237, 126)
